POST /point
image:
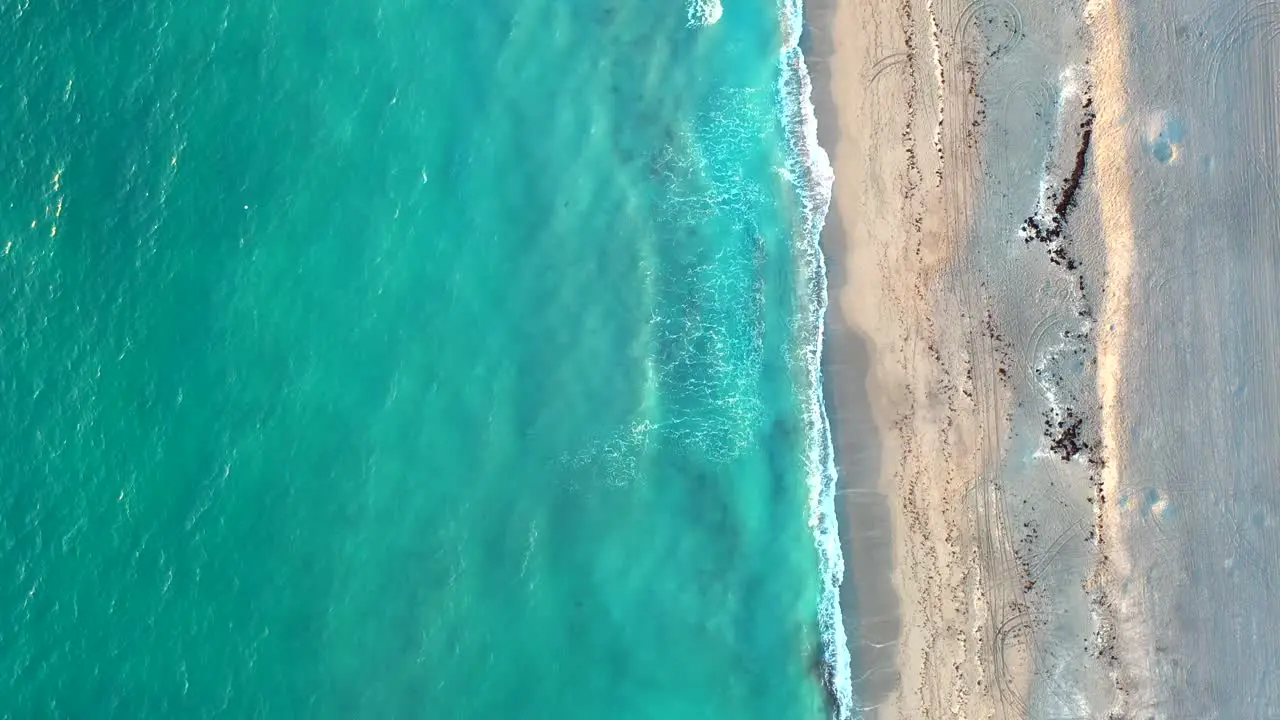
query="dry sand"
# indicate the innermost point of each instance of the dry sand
(1052, 354)
(974, 260)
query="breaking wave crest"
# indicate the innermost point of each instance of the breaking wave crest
(704, 12)
(809, 170)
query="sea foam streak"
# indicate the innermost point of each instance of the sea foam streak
(809, 169)
(704, 12)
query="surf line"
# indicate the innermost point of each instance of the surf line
(809, 169)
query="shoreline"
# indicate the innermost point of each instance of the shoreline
(869, 603)
(812, 175)
(917, 590)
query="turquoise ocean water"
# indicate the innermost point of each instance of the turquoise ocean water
(412, 359)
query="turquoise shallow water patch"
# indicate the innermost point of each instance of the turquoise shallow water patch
(407, 359)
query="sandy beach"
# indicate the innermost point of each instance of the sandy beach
(973, 249)
(1052, 353)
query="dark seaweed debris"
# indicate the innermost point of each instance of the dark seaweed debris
(1050, 231)
(1064, 436)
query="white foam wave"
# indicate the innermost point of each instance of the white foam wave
(704, 12)
(809, 169)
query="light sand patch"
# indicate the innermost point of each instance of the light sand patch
(1112, 176)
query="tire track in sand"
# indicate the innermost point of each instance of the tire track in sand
(983, 33)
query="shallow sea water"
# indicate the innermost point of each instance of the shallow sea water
(408, 359)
